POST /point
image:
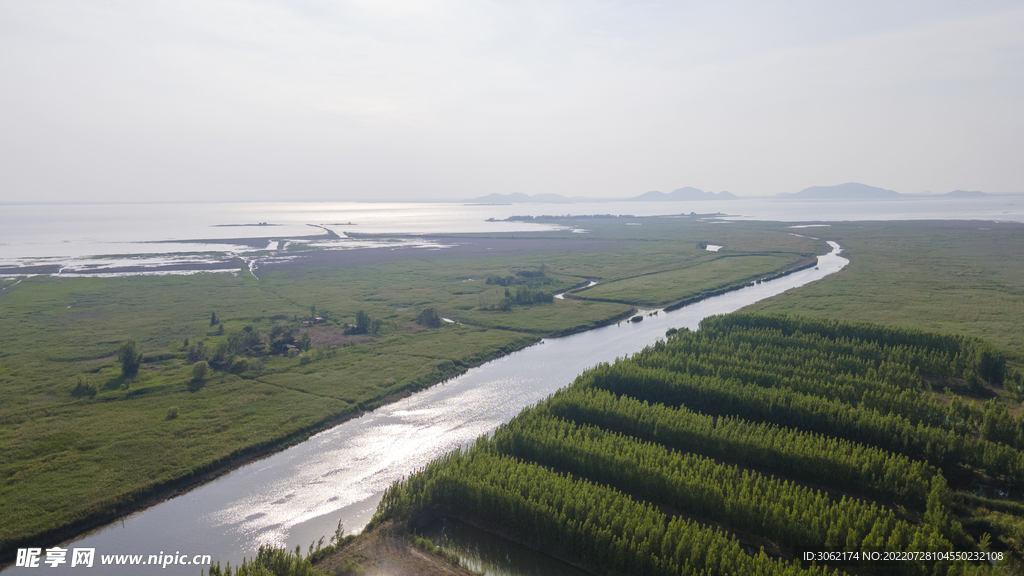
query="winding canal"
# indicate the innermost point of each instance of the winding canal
(300, 494)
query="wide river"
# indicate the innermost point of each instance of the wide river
(298, 495)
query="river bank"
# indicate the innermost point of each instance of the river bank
(174, 488)
(301, 493)
(137, 441)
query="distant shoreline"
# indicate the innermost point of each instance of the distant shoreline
(293, 263)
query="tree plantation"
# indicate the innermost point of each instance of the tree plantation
(738, 448)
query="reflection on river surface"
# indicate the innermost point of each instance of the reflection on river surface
(300, 494)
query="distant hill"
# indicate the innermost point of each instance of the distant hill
(683, 194)
(848, 191)
(965, 194)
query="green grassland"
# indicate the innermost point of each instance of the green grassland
(950, 277)
(70, 462)
(659, 288)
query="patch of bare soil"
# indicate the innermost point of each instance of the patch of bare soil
(384, 551)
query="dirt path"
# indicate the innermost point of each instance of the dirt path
(384, 551)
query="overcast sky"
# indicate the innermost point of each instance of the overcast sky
(368, 100)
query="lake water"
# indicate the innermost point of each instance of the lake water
(96, 237)
(300, 494)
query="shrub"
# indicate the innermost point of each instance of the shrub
(199, 370)
(239, 364)
(172, 412)
(83, 388)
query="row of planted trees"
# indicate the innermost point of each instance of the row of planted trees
(792, 431)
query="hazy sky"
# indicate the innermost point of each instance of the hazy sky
(388, 100)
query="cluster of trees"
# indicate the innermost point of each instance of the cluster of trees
(854, 381)
(696, 426)
(522, 296)
(531, 278)
(280, 338)
(820, 370)
(365, 325)
(243, 349)
(775, 449)
(997, 425)
(790, 514)
(250, 342)
(595, 525)
(989, 363)
(941, 447)
(496, 280)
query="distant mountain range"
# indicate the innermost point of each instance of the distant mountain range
(857, 191)
(682, 194)
(965, 194)
(848, 191)
(685, 194)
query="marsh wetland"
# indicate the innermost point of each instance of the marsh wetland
(73, 462)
